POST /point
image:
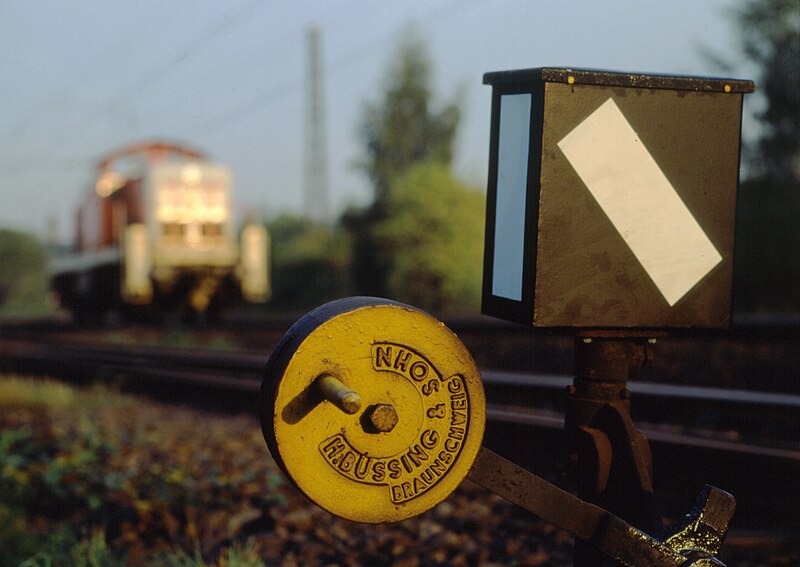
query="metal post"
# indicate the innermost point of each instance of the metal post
(316, 173)
(608, 459)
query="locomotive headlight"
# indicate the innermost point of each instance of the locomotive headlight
(166, 209)
(217, 214)
(191, 174)
(109, 182)
(165, 213)
(216, 209)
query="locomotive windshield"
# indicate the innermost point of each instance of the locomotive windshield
(192, 201)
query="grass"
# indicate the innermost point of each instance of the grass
(93, 477)
(17, 392)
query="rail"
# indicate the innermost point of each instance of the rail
(697, 435)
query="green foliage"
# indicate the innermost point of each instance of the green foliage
(309, 263)
(368, 265)
(767, 273)
(59, 547)
(16, 391)
(403, 129)
(225, 502)
(63, 549)
(235, 556)
(32, 470)
(23, 280)
(433, 237)
(770, 37)
(767, 268)
(35, 480)
(99, 481)
(16, 541)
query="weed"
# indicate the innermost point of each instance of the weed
(21, 392)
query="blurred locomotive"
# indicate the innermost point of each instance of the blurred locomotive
(157, 234)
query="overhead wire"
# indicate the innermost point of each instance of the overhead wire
(202, 41)
(109, 59)
(278, 92)
(205, 38)
(246, 108)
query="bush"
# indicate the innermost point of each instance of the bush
(23, 277)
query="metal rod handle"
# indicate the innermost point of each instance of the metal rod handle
(337, 393)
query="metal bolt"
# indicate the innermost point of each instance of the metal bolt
(338, 394)
(384, 417)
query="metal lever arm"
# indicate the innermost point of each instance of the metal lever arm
(610, 534)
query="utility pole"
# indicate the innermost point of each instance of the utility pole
(315, 195)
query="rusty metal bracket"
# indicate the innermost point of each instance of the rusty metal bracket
(613, 539)
(610, 461)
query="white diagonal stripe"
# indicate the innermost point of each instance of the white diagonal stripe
(640, 201)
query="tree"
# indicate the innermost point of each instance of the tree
(434, 234)
(770, 36)
(767, 276)
(309, 263)
(399, 131)
(23, 278)
(402, 129)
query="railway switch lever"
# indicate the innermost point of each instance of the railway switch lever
(376, 412)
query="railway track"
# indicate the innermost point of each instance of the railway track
(754, 355)
(744, 442)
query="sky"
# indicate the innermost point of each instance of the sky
(80, 79)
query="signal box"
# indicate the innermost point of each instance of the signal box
(611, 198)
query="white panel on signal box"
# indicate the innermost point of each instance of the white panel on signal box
(640, 201)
